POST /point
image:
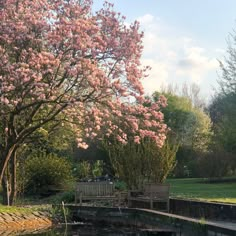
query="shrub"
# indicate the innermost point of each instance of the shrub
(46, 171)
(82, 170)
(217, 163)
(66, 197)
(136, 164)
(121, 186)
(97, 168)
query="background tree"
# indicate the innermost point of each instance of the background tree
(191, 91)
(216, 163)
(223, 105)
(227, 98)
(191, 125)
(222, 110)
(192, 129)
(66, 64)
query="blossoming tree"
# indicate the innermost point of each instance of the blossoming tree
(60, 62)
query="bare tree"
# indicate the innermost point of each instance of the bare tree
(191, 91)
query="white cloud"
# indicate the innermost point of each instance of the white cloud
(157, 76)
(195, 64)
(174, 56)
(220, 50)
(187, 40)
(146, 19)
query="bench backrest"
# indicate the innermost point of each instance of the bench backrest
(96, 189)
(157, 190)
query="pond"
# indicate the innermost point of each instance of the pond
(99, 230)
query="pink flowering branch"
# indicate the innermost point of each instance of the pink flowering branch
(65, 61)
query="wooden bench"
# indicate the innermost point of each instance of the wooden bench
(96, 191)
(151, 193)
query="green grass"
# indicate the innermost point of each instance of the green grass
(14, 209)
(24, 207)
(195, 189)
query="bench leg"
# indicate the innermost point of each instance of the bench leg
(168, 206)
(119, 199)
(80, 199)
(151, 203)
(129, 203)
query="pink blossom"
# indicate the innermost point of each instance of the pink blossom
(83, 145)
(74, 66)
(137, 139)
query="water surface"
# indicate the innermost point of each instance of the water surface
(92, 230)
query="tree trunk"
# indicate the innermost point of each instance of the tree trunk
(13, 192)
(8, 177)
(5, 158)
(5, 191)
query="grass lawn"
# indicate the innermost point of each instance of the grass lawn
(194, 189)
(13, 209)
(28, 207)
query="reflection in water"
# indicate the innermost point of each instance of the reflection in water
(14, 232)
(87, 231)
(91, 230)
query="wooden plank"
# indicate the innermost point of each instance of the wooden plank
(95, 190)
(152, 193)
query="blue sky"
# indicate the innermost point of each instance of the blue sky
(184, 39)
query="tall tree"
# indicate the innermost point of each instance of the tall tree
(223, 111)
(191, 126)
(64, 63)
(228, 66)
(223, 106)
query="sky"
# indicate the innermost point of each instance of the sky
(183, 39)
